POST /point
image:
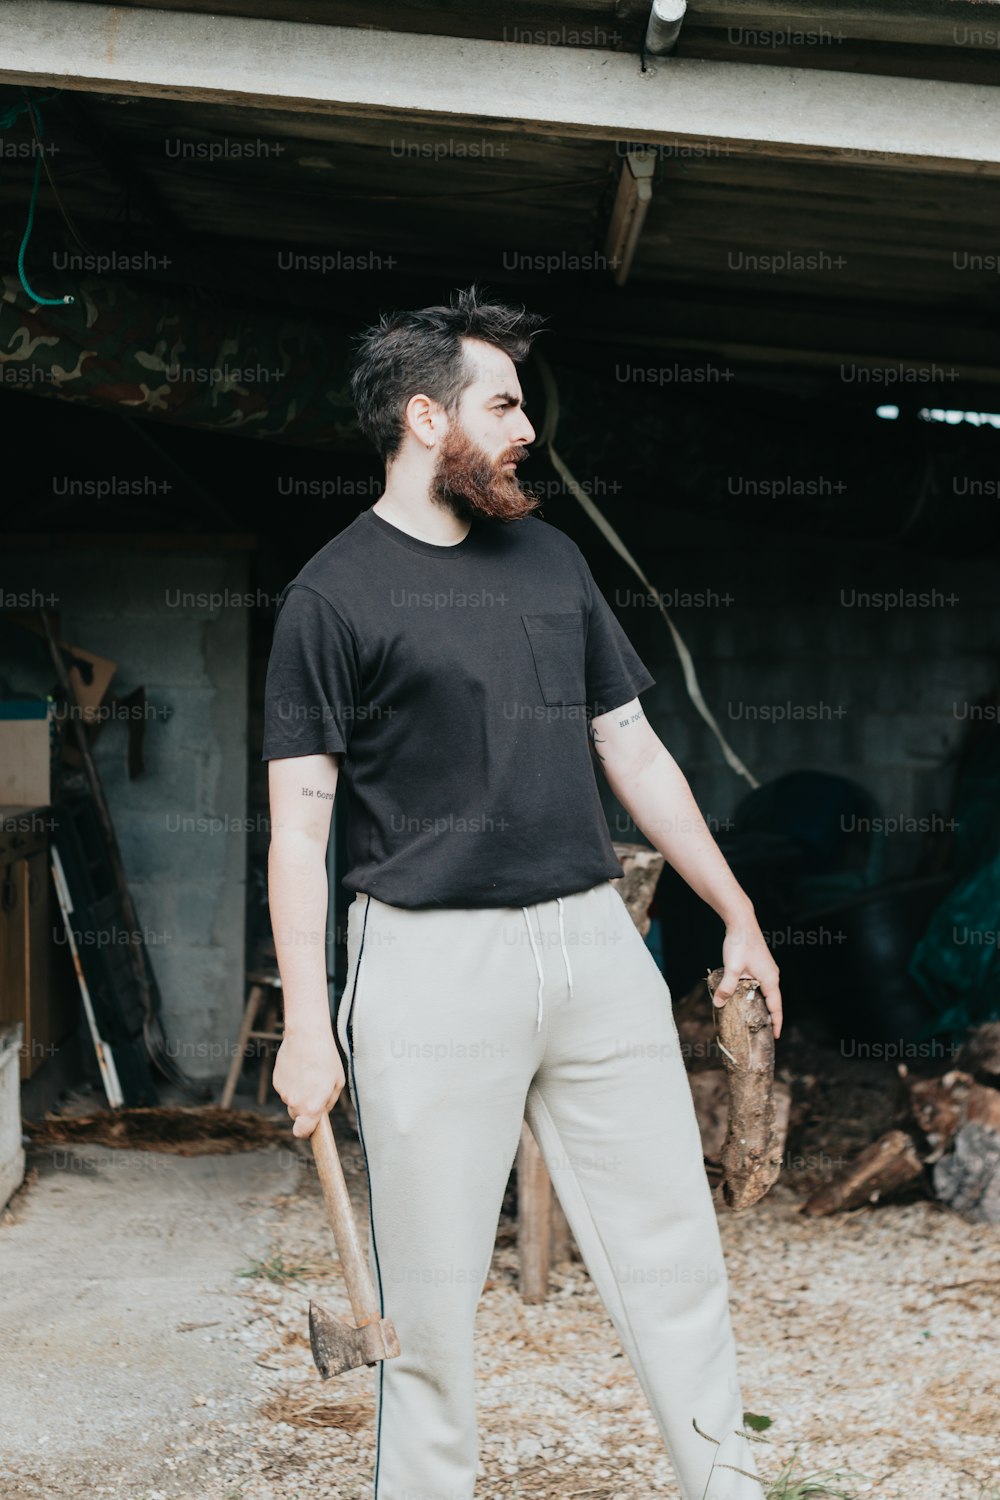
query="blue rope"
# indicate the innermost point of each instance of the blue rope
(8, 119)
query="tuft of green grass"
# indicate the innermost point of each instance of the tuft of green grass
(275, 1269)
(828, 1485)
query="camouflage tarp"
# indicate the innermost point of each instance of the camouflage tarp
(178, 358)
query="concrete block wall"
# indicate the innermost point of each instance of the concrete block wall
(889, 684)
(173, 623)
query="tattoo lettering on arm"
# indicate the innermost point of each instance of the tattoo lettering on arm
(308, 791)
(631, 719)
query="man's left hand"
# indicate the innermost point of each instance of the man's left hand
(745, 955)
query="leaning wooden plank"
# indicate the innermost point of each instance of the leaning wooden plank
(102, 1049)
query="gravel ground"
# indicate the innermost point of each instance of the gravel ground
(868, 1338)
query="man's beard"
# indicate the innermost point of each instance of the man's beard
(469, 483)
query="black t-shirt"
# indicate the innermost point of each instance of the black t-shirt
(456, 684)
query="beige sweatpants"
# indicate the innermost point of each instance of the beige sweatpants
(459, 1023)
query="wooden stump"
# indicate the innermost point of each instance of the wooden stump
(637, 885)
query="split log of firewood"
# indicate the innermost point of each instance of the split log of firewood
(941, 1106)
(751, 1155)
(710, 1092)
(980, 1055)
(882, 1168)
(642, 867)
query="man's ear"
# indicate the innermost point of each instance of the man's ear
(423, 418)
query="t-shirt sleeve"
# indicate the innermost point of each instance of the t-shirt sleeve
(313, 678)
(615, 672)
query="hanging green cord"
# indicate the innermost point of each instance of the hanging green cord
(8, 116)
(45, 301)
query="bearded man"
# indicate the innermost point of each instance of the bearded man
(449, 654)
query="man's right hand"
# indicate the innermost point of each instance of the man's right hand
(308, 1075)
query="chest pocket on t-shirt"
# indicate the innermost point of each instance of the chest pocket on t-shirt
(558, 646)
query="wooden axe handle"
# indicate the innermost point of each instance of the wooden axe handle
(345, 1230)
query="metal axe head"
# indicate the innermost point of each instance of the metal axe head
(338, 1346)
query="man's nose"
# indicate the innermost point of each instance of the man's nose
(525, 433)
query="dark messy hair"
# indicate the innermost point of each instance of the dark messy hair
(409, 352)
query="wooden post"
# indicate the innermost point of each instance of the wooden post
(534, 1219)
(561, 1239)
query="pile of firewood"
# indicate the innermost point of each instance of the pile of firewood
(948, 1132)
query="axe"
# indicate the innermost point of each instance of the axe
(336, 1345)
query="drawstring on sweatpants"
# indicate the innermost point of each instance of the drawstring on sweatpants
(538, 961)
(562, 940)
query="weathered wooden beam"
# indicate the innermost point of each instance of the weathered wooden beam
(501, 87)
(960, 26)
(617, 25)
(949, 23)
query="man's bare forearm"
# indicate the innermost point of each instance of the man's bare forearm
(297, 896)
(658, 798)
(302, 790)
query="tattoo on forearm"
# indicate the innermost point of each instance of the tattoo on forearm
(308, 791)
(624, 723)
(595, 740)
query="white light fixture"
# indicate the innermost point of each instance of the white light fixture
(664, 26)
